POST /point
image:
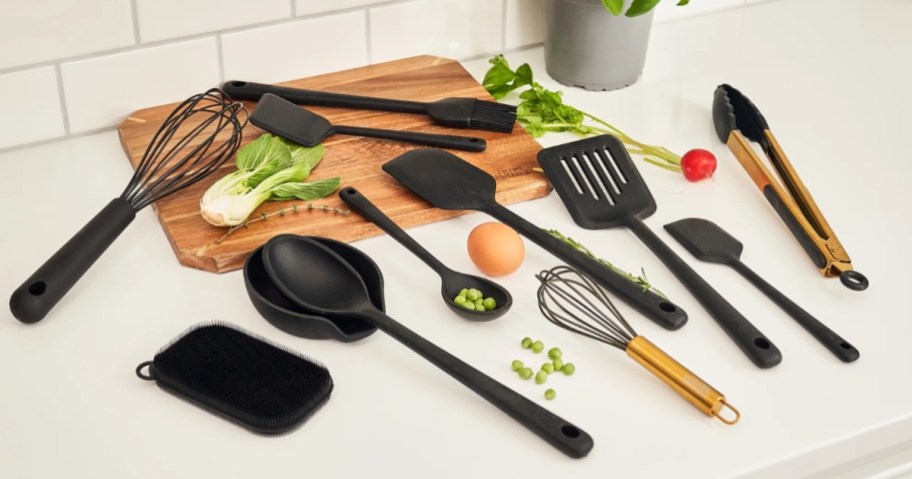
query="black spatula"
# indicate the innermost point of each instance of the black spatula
(304, 127)
(708, 242)
(601, 187)
(446, 181)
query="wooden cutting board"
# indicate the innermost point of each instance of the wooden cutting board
(509, 157)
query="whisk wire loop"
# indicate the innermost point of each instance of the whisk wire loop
(574, 302)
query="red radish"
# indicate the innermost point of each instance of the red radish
(698, 164)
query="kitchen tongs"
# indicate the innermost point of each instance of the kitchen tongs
(738, 120)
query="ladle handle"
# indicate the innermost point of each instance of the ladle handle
(757, 347)
(658, 309)
(363, 206)
(840, 348)
(561, 434)
(465, 143)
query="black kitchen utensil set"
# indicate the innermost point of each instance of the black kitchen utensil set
(320, 288)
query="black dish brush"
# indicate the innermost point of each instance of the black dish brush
(248, 381)
(470, 113)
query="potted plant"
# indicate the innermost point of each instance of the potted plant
(597, 44)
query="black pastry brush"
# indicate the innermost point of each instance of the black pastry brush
(246, 380)
(469, 113)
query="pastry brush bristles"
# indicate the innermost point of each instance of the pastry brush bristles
(492, 116)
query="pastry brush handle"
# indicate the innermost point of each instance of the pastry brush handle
(561, 434)
(760, 350)
(32, 301)
(241, 90)
(465, 143)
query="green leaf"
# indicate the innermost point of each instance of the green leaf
(310, 156)
(640, 7)
(614, 6)
(501, 80)
(311, 190)
(261, 151)
(681, 3)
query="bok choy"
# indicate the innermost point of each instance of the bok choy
(268, 168)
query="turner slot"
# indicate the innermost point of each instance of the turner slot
(615, 170)
(596, 178)
(563, 162)
(581, 176)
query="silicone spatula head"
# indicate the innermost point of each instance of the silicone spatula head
(706, 240)
(443, 179)
(283, 118)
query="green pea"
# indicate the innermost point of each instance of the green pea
(526, 342)
(460, 300)
(541, 377)
(473, 294)
(549, 394)
(525, 373)
(558, 364)
(516, 365)
(479, 302)
(554, 353)
(468, 305)
(569, 369)
(490, 304)
(480, 308)
(463, 292)
(537, 347)
(548, 368)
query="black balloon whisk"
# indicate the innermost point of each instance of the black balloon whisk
(196, 138)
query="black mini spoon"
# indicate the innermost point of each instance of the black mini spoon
(708, 242)
(453, 281)
(320, 281)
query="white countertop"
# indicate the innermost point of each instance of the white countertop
(832, 79)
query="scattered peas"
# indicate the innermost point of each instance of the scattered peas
(554, 353)
(460, 300)
(569, 369)
(537, 347)
(516, 365)
(541, 377)
(474, 300)
(525, 373)
(526, 342)
(479, 307)
(558, 364)
(489, 303)
(467, 305)
(473, 294)
(549, 394)
(463, 292)
(548, 368)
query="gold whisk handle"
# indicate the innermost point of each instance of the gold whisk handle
(679, 378)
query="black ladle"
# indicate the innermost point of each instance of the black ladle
(304, 127)
(709, 242)
(452, 281)
(319, 280)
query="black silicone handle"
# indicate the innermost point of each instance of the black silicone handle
(561, 434)
(363, 206)
(761, 351)
(241, 90)
(841, 348)
(659, 310)
(792, 223)
(465, 143)
(31, 302)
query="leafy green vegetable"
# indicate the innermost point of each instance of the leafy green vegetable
(269, 168)
(638, 7)
(542, 111)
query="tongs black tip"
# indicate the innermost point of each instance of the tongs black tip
(734, 111)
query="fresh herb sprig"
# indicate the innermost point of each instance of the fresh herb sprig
(282, 212)
(637, 7)
(640, 280)
(543, 110)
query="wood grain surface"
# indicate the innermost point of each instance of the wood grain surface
(509, 157)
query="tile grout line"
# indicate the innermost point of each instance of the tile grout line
(56, 139)
(503, 24)
(220, 58)
(134, 13)
(61, 95)
(367, 37)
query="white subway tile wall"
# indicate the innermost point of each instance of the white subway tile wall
(74, 66)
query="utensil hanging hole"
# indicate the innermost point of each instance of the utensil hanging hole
(762, 343)
(474, 140)
(845, 345)
(596, 178)
(601, 162)
(854, 280)
(37, 288)
(570, 174)
(570, 431)
(614, 166)
(582, 174)
(667, 307)
(238, 83)
(350, 191)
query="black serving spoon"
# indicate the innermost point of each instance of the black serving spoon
(320, 281)
(709, 242)
(304, 127)
(452, 281)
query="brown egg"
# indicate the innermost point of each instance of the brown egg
(496, 249)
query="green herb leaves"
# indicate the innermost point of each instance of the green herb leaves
(638, 7)
(500, 79)
(269, 168)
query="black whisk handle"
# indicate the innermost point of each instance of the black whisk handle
(31, 302)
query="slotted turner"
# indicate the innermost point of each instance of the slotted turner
(600, 186)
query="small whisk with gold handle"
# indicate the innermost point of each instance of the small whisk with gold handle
(574, 302)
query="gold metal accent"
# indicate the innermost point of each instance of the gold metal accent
(679, 378)
(794, 195)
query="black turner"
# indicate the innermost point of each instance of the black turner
(708, 242)
(304, 127)
(602, 188)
